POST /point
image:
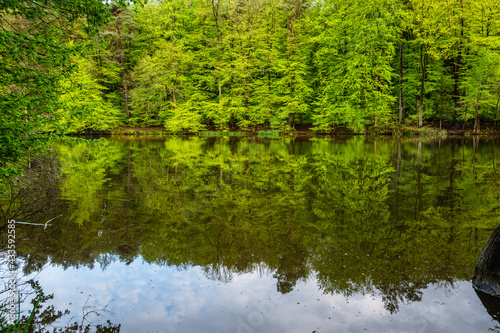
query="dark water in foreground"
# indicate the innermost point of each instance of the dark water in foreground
(254, 235)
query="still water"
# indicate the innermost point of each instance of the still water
(258, 235)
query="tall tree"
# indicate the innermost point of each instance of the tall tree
(120, 33)
(353, 57)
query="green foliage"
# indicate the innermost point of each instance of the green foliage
(354, 50)
(83, 107)
(480, 84)
(185, 118)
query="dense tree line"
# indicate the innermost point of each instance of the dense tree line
(192, 64)
(189, 64)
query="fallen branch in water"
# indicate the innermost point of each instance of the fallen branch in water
(44, 224)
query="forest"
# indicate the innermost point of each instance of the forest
(189, 65)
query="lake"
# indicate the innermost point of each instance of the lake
(189, 234)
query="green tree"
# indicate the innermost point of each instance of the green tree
(479, 86)
(354, 50)
(120, 33)
(82, 104)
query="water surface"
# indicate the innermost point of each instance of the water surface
(256, 235)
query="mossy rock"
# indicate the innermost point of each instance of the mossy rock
(487, 272)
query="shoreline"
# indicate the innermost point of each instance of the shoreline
(304, 131)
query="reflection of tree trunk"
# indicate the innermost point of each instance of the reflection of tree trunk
(494, 166)
(130, 151)
(129, 178)
(398, 167)
(289, 231)
(220, 178)
(475, 147)
(450, 189)
(400, 80)
(418, 203)
(221, 161)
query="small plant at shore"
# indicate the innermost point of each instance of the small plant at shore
(269, 134)
(220, 133)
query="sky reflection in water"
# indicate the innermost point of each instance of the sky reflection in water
(150, 298)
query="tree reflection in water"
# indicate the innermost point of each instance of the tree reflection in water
(389, 217)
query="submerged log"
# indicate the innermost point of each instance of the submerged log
(487, 272)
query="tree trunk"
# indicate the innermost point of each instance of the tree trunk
(423, 64)
(289, 33)
(288, 59)
(215, 13)
(496, 112)
(465, 118)
(477, 128)
(125, 91)
(457, 65)
(101, 78)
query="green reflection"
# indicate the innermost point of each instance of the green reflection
(363, 216)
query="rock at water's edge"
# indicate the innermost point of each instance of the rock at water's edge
(487, 272)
